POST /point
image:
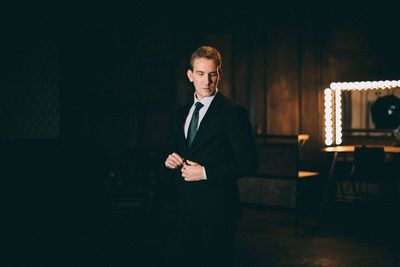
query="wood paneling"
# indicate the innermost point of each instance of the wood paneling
(240, 64)
(283, 83)
(257, 83)
(311, 108)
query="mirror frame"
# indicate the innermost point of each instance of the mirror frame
(333, 105)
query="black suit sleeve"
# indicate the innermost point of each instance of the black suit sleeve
(244, 159)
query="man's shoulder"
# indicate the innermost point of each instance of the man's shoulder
(229, 103)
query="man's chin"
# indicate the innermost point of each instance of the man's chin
(206, 93)
(209, 92)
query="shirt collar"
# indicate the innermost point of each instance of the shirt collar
(206, 101)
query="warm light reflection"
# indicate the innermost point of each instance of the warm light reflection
(365, 85)
(338, 117)
(328, 117)
(333, 121)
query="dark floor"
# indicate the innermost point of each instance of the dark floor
(352, 235)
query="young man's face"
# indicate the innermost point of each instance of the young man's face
(205, 77)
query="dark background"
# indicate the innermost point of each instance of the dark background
(80, 81)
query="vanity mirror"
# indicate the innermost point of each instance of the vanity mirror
(361, 108)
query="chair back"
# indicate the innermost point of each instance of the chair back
(369, 161)
(278, 157)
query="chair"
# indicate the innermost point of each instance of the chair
(368, 169)
(303, 193)
(279, 180)
(132, 180)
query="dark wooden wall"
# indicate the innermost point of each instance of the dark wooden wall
(123, 71)
(276, 76)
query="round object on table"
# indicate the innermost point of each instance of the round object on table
(386, 112)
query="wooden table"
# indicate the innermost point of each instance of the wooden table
(349, 149)
(336, 150)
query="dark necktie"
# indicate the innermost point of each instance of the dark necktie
(193, 124)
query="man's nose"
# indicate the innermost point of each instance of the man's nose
(207, 79)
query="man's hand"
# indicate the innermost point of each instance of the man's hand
(192, 171)
(173, 161)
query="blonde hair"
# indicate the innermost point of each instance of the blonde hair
(208, 52)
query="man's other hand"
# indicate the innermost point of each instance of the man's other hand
(173, 161)
(192, 171)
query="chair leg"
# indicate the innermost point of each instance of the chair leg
(296, 212)
(353, 185)
(341, 190)
(357, 185)
(296, 222)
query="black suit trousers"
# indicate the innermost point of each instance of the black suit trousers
(206, 243)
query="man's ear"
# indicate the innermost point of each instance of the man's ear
(190, 75)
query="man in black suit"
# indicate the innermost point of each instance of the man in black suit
(213, 147)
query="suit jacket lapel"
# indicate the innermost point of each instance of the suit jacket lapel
(181, 122)
(209, 116)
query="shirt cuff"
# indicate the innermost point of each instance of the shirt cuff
(204, 174)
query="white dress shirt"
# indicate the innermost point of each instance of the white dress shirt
(206, 101)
